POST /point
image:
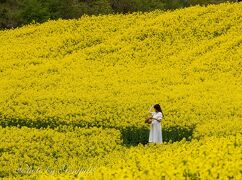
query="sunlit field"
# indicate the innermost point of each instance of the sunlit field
(77, 92)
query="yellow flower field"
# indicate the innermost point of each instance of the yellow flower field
(77, 92)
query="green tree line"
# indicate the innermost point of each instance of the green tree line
(14, 13)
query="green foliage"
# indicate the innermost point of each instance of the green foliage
(206, 2)
(15, 13)
(174, 4)
(125, 6)
(94, 7)
(33, 10)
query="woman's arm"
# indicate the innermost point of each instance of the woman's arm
(157, 119)
(151, 108)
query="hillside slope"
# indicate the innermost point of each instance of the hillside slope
(106, 71)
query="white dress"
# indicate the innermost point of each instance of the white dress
(155, 128)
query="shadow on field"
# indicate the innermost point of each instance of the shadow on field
(51, 122)
(132, 135)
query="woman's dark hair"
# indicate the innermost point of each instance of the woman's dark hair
(158, 108)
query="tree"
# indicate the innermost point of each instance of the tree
(33, 10)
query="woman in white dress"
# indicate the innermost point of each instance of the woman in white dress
(155, 135)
